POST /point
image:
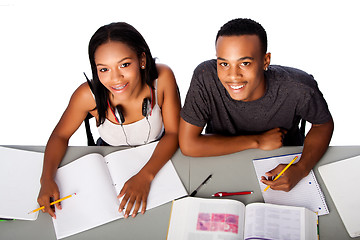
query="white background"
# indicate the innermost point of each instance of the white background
(43, 52)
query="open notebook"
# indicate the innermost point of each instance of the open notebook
(306, 193)
(341, 179)
(97, 181)
(20, 173)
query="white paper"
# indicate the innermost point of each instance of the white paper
(341, 179)
(20, 173)
(306, 193)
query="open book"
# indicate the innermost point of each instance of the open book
(97, 181)
(307, 193)
(20, 173)
(198, 218)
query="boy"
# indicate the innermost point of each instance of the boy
(246, 103)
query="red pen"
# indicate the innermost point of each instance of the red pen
(223, 194)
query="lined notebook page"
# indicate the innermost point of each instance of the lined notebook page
(306, 193)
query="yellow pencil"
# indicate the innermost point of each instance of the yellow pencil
(282, 172)
(61, 199)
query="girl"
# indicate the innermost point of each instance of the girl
(134, 100)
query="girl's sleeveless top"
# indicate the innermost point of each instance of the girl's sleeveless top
(137, 133)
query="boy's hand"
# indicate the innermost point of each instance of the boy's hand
(271, 139)
(287, 180)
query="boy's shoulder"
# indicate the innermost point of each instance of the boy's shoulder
(290, 75)
(208, 66)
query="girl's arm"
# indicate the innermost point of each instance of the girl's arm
(80, 104)
(136, 189)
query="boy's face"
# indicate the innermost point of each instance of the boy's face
(241, 65)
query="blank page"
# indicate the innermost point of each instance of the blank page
(20, 173)
(341, 179)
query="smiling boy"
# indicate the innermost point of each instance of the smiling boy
(246, 103)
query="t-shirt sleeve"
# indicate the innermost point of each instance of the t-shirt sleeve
(196, 107)
(314, 108)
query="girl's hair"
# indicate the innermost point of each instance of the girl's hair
(127, 34)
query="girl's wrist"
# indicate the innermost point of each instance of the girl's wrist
(147, 175)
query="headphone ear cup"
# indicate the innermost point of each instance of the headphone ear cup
(119, 115)
(146, 107)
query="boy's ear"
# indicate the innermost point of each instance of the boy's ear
(267, 59)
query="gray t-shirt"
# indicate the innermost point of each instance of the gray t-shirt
(291, 95)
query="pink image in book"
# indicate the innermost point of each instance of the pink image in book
(218, 222)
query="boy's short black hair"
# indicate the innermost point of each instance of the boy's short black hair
(244, 26)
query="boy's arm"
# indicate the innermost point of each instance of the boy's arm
(316, 143)
(193, 143)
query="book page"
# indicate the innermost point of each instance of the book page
(165, 187)
(95, 202)
(306, 193)
(20, 173)
(268, 221)
(199, 218)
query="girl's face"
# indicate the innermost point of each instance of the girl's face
(118, 68)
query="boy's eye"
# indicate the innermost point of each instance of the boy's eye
(223, 64)
(244, 64)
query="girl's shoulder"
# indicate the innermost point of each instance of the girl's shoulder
(84, 96)
(166, 76)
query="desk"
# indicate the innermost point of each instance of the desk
(230, 173)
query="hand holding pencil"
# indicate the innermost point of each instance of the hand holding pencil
(287, 181)
(49, 190)
(52, 203)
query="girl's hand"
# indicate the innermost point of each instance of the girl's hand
(135, 191)
(49, 189)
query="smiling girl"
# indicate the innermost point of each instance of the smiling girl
(134, 100)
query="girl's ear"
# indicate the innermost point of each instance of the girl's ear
(143, 61)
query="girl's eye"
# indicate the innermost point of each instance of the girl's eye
(103, 70)
(124, 65)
